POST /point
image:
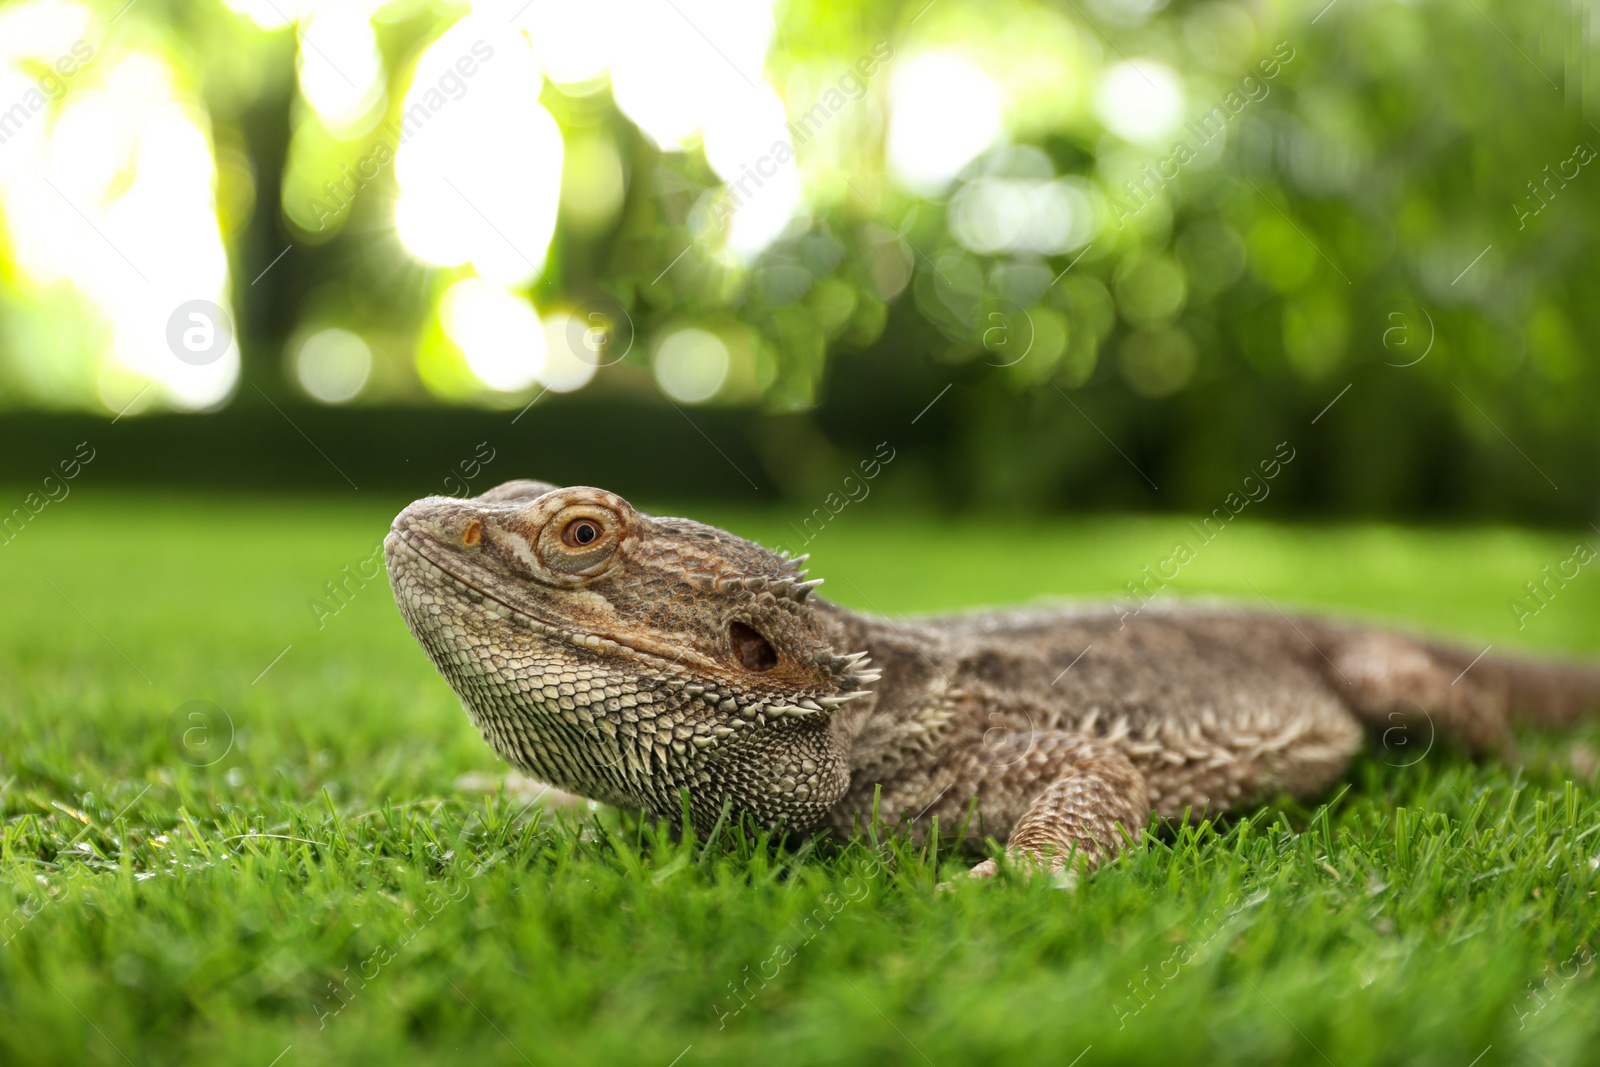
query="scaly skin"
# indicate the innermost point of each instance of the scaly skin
(628, 658)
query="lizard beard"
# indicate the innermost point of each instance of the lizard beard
(634, 734)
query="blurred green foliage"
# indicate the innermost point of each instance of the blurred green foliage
(1391, 198)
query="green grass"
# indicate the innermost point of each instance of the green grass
(328, 887)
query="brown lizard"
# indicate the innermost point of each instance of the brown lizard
(629, 658)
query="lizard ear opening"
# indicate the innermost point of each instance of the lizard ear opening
(754, 652)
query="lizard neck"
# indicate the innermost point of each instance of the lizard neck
(911, 703)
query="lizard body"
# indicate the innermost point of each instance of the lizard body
(629, 658)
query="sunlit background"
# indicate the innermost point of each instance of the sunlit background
(1139, 240)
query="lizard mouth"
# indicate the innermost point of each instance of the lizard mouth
(425, 549)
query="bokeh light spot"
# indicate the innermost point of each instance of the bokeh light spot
(479, 161)
(1158, 362)
(568, 365)
(498, 332)
(944, 112)
(341, 70)
(333, 365)
(1140, 101)
(690, 365)
(1150, 289)
(677, 64)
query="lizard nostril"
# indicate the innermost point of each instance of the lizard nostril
(473, 533)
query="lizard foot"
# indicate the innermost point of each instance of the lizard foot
(1030, 865)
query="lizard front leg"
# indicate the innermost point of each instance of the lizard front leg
(1093, 796)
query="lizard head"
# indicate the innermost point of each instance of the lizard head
(626, 657)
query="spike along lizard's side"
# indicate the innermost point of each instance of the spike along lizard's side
(628, 658)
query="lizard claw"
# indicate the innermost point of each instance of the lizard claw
(986, 869)
(1029, 864)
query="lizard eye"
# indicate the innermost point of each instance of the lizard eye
(581, 532)
(754, 652)
(580, 541)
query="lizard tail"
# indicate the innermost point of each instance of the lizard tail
(1545, 692)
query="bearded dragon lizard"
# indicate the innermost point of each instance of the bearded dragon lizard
(629, 658)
